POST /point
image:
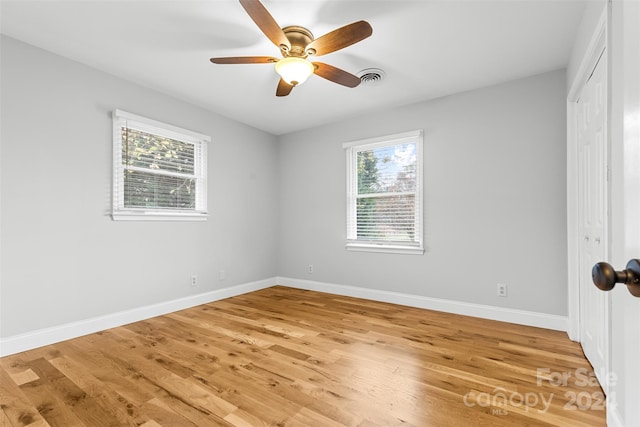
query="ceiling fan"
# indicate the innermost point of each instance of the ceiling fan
(296, 45)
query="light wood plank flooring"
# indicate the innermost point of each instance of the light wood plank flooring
(288, 357)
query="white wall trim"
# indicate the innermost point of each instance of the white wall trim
(588, 62)
(614, 418)
(528, 318)
(30, 340)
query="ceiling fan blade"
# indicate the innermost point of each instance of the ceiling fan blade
(284, 88)
(266, 23)
(340, 38)
(335, 75)
(245, 60)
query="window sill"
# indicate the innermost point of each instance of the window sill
(158, 216)
(390, 249)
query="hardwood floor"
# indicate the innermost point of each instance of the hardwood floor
(288, 357)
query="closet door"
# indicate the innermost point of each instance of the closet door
(592, 193)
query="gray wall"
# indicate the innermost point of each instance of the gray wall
(63, 258)
(495, 199)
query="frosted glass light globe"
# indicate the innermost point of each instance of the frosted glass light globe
(294, 71)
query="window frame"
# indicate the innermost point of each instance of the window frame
(352, 148)
(119, 212)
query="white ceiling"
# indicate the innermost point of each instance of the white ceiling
(427, 49)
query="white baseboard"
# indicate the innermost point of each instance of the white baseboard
(613, 416)
(521, 317)
(30, 340)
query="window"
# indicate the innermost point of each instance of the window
(384, 194)
(159, 170)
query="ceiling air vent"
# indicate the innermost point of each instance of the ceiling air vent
(371, 76)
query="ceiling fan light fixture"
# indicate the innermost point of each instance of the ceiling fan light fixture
(294, 70)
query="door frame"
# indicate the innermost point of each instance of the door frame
(597, 44)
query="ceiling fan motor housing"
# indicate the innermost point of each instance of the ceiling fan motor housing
(299, 37)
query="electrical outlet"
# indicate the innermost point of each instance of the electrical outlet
(502, 290)
(310, 269)
(222, 275)
(194, 280)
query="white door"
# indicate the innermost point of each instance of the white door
(624, 400)
(592, 185)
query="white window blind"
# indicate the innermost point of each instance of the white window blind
(384, 194)
(160, 171)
